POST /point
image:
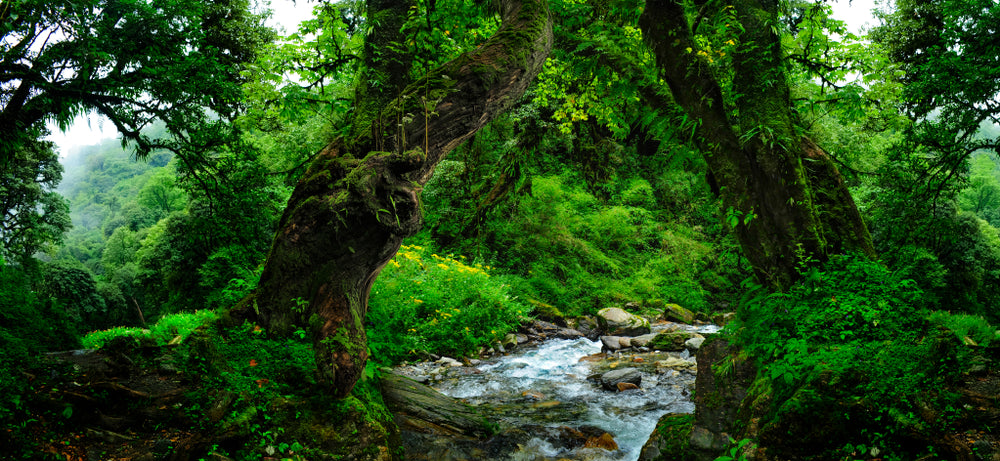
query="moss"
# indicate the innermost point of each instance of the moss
(675, 434)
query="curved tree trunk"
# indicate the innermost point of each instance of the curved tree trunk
(790, 201)
(351, 210)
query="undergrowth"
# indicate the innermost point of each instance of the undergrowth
(852, 339)
(168, 328)
(426, 302)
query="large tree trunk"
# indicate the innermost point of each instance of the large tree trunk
(360, 198)
(791, 203)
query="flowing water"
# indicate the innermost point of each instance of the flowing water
(546, 385)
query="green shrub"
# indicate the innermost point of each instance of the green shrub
(850, 335)
(964, 326)
(426, 302)
(162, 332)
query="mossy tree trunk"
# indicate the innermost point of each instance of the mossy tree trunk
(351, 210)
(790, 200)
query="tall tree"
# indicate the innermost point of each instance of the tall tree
(135, 62)
(351, 210)
(32, 214)
(783, 194)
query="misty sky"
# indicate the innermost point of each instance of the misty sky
(90, 129)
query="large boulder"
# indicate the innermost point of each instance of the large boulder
(676, 313)
(611, 379)
(620, 323)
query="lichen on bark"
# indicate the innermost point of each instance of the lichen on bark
(789, 203)
(360, 197)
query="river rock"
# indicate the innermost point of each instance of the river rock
(448, 362)
(622, 387)
(611, 379)
(642, 341)
(673, 341)
(676, 313)
(605, 441)
(540, 330)
(621, 323)
(667, 440)
(588, 326)
(615, 343)
(568, 333)
(674, 362)
(694, 343)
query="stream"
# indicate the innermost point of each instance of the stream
(546, 385)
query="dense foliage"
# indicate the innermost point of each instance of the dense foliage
(602, 186)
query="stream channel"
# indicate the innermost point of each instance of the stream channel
(546, 385)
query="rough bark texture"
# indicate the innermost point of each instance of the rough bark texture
(791, 202)
(358, 200)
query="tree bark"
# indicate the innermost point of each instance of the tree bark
(787, 199)
(360, 198)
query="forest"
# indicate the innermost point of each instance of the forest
(289, 217)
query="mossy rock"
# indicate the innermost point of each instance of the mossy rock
(669, 441)
(670, 341)
(676, 313)
(547, 312)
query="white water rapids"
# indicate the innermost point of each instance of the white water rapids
(546, 385)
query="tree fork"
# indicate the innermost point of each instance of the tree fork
(348, 215)
(787, 197)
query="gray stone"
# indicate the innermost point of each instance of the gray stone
(589, 326)
(448, 362)
(568, 333)
(621, 323)
(694, 343)
(610, 343)
(611, 379)
(643, 340)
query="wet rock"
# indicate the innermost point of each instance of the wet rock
(547, 404)
(540, 330)
(670, 438)
(510, 341)
(643, 340)
(593, 358)
(676, 313)
(533, 395)
(588, 326)
(568, 333)
(611, 379)
(621, 323)
(622, 387)
(605, 441)
(694, 343)
(676, 363)
(671, 341)
(448, 362)
(615, 343)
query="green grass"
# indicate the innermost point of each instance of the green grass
(162, 332)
